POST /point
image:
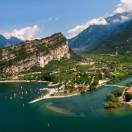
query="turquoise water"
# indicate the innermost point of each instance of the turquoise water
(79, 114)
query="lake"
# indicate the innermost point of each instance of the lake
(75, 114)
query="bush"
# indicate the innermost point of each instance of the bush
(118, 92)
(47, 77)
(112, 100)
(111, 105)
(82, 92)
(111, 97)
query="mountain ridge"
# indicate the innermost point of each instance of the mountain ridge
(120, 43)
(20, 58)
(4, 42)
(94, 35)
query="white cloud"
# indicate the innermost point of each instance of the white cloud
(26, 33)
(122, 19)
(79, 28)
(124, 6)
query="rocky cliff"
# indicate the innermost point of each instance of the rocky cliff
(17, 59)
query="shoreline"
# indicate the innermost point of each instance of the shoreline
(23, 81)
(122, 100)
(49, 96)
(52, 91)
(128, 103)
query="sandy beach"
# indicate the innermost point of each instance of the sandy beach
(51, 91)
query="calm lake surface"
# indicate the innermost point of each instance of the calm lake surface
(75, 114)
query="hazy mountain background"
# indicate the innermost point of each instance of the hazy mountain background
(4, 42)
(120, 43)
(96, 34)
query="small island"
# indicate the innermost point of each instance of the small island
(119, 97)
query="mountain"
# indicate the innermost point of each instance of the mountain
(3, 41)
(7, 42)
(14, 40)
(120, 43)
(20, 58)
(95, 34)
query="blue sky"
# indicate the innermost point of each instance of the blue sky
(51, 15)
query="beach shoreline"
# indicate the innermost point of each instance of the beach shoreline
(22, 81)
(52, 91)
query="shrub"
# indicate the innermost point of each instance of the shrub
(111, 105)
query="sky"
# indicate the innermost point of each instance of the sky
(29, 19)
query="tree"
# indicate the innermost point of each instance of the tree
(47, 77)
(111, 97)
(128, 97)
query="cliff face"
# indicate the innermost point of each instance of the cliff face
(16, 59)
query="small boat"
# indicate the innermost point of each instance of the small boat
(11, 98)
(23, 104)
(48, 125)
(14, 94)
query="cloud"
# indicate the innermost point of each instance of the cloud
(79, 28)
(124, 6)
(122, 19)
(26, 33)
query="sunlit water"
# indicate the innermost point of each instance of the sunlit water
(79, 114)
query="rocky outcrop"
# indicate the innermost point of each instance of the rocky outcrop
(17, 59)
(55, 54)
